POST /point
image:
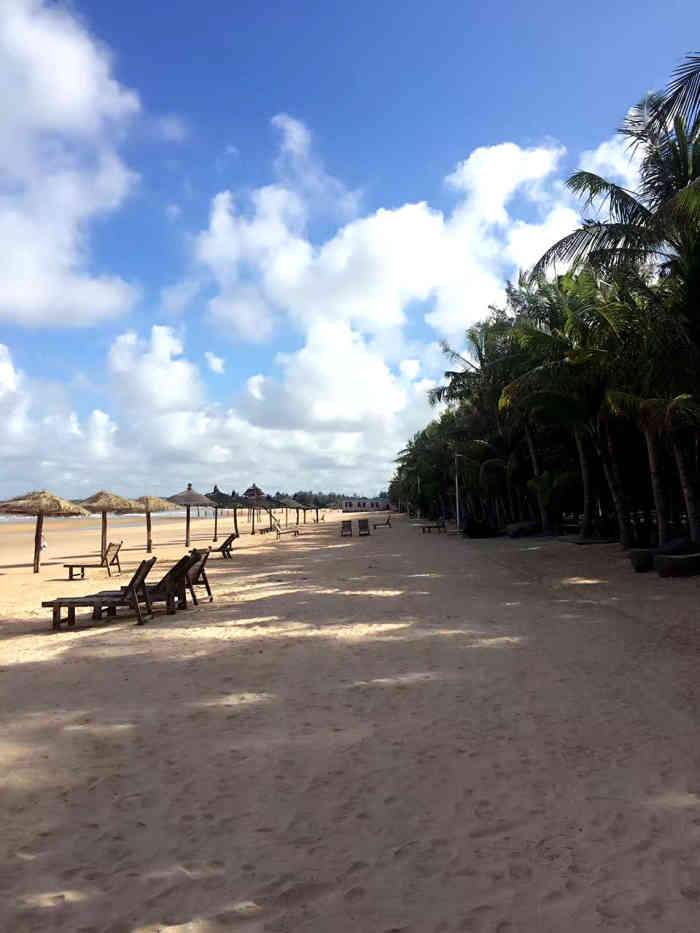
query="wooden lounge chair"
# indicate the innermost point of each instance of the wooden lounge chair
(346, 528)
(196, 575)
(131, 595)
(642, 558)
(438, 526)
(225, 547)
(677, 565)
(362, 527)
(384, 524)
(110, 559)
(171, 589)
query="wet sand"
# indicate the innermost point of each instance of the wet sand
(400, 733)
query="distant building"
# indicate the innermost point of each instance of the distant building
(364, 504)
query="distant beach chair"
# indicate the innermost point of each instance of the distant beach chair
(197, 576)
(225, 547)
(131, 595)
(346, 528)
(110, 559)
(438, 526)
(384, 524)
(362, 527)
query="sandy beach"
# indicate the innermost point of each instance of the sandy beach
(396, 733)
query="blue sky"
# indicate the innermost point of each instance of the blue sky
(316, 195)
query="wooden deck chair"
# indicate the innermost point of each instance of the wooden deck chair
(197, 576)
(362, 527)
(225, 547)
(171, 589)
(131, 595)
(346, 528)
(384, 524)
(110, 559)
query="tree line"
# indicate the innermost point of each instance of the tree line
(580, 396)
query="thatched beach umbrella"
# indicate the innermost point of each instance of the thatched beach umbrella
(188, 498)
(237, 502)
(40, 504)
(221, 501)
(153, 504)
(290, 503)
(103, 502)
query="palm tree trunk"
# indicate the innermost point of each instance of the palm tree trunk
(688, 488)
(656, 485)
(544, 511)
(611, 468)
(587, 523)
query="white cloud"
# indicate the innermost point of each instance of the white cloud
(614, 160)
(175, 299)
(299, 168)
(214, 362)
(410, 368)
(374, 268)
(171, 128)
(152, 376)
(62, 115)
(333, 411)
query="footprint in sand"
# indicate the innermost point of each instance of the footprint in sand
(355, 894)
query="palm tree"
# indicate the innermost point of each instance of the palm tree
(659, 224)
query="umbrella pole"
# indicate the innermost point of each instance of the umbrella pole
(297, 516)
(317, 515)
(187, 526)
(253, 520)
(304, 516)
(286, 516)
(235, 520)
(37, 540)
(216, 522)
(149, 540)
(104, 536)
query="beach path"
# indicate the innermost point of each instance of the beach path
(395, 733)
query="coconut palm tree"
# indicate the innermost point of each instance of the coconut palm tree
(659, 224)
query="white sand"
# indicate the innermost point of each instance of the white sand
(401, 733)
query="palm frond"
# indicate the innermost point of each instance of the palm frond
(623, 206)
(682, 94)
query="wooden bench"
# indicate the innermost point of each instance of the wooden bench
(384, 524)
(110, 559)
(131, 595)
(346, 528)
(362, 527)
(438, 526)
(286, 531)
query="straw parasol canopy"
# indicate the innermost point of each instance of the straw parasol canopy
(188, 498)
(221, 501)
(101, 503)
(290, 503)
(150, 504)
(40, 503)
